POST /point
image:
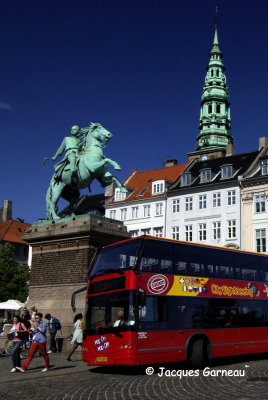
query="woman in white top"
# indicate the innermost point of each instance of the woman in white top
(77, 339)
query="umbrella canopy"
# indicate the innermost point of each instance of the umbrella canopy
(11, 305)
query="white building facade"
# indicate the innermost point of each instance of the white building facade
(143, 208)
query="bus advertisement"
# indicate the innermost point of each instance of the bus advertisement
(153, 300)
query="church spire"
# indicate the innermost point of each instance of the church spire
(215, 121)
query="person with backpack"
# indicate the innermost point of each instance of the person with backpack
(53, 326)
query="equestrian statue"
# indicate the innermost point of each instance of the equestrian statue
(83, 162)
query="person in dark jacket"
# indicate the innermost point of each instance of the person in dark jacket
(52, 333)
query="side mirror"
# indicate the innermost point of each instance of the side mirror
(141, 297)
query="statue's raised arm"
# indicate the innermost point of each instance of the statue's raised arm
(83, 162)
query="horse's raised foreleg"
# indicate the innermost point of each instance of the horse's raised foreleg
(113, 164)
(108, 178)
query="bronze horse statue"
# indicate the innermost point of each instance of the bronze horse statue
(91, 164)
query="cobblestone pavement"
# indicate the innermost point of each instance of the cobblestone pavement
(248, 379)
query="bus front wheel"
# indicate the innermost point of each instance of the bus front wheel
(199, 354)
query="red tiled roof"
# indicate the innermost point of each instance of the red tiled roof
(137, 181)
(12, 231)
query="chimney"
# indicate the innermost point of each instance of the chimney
(171, 163)
(229, 149)
(263, 142)
(7, 210)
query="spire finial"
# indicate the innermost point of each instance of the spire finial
(216, 41)
(216, 18)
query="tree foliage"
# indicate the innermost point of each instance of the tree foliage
(14, 276)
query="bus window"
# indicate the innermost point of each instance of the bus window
(104, 312)
(263, 260)
(189, 260)
(118, 257)
(157, 257)
(246, 266)
(252, 313)
(154, 315)
(220, 264)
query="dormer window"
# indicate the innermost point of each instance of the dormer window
(158, 187)
(205, 175)
(186, 179)
(118, 195)
(226, 172)
(264, 167)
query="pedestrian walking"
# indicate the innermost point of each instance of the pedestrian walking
(18, 328)
(77, 339)
(26, 317)
(53, 326)
(39, 343)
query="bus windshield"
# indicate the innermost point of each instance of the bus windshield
(109, 313)
(116, 258)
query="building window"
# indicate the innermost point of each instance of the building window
(175, 232)
(226, 171)
(218, 108)
(158, 232)
(202, 232)
(231, 229)
(158, 187)
(216, 200)
(134, 212)
(210, 108)
(146, 231)
(231, 197)
(113, 214)
(118, 196)
(205, 175)
(216, 233)
(186, 179)
(134, 233)
(188, 204)
(176, 206)
(264, 167)
(159, 209)
(261, 240)
(147, 210)
(260, 203)
(202, 201)
(123, 214)
(142, 191)
(189, 233)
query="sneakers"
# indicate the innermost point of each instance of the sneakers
(45, 370)
(13, 370)
(20, 369)
(49, 352)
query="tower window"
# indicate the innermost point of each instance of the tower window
(217, 73)
(218, 108)
(210, 108)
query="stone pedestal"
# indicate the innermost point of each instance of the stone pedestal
(61, 255)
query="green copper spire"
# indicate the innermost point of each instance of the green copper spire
(215, 121)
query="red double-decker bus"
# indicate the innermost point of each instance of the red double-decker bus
(153, 300)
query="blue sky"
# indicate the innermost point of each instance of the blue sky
(135, 66)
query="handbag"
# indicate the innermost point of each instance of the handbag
(23, 335)
(10, 335)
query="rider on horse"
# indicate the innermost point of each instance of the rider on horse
(71, 145)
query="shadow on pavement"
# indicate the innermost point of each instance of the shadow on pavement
(181, 365)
